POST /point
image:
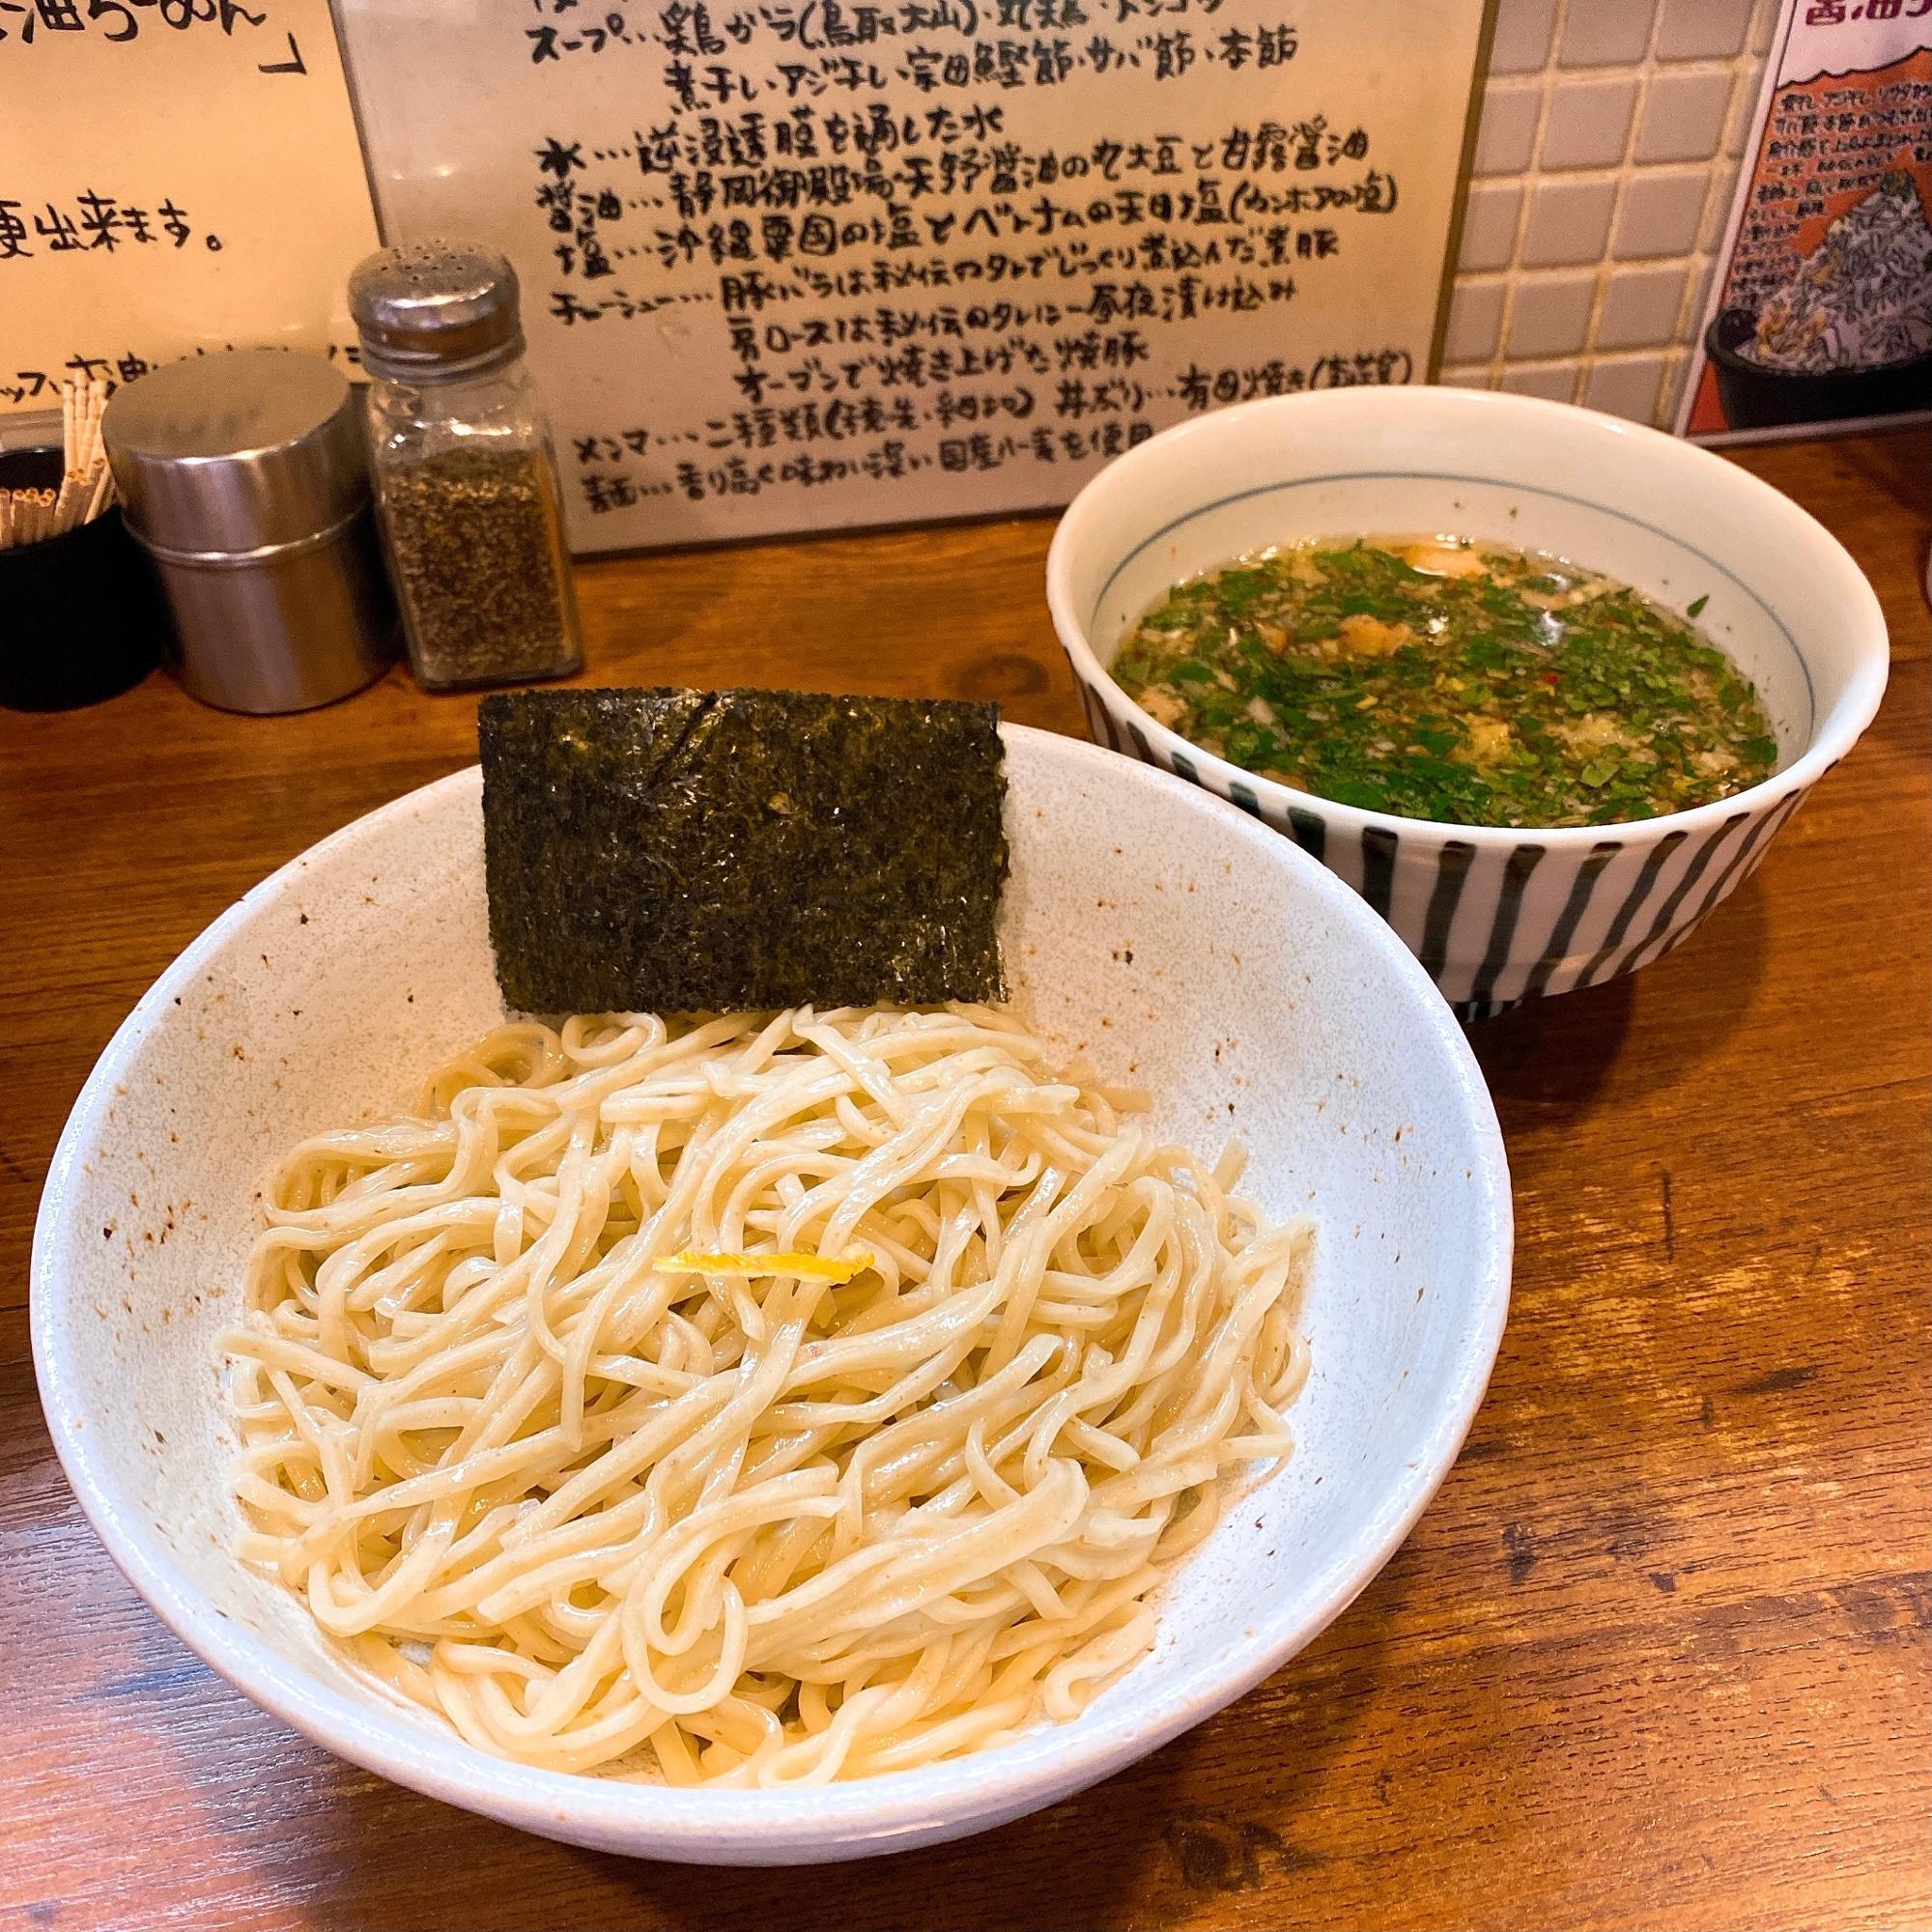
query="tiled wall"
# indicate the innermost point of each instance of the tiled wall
(1609, 148)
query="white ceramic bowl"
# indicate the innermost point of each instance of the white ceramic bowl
(1175, 940)
(1494, 915)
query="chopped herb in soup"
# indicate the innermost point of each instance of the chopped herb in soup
(1449, 680)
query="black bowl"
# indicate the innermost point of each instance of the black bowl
(1757, 397)
(81, 614)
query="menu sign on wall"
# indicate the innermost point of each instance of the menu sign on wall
(795, 263)
(174, 175)
(1822, 308)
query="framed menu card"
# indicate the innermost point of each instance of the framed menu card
(175, 176)
(797, 264)
(1821, 309)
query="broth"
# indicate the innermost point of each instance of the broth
(1449, 679)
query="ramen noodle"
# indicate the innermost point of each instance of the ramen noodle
(755, 1401)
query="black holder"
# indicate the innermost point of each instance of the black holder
(1756, 396)
(81, 614)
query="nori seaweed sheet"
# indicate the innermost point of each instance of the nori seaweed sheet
(678, 851)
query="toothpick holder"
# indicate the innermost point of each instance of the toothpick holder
(81, 616)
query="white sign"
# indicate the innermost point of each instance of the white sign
(799, 264)
(174, 175)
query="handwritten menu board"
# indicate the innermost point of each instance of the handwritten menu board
(174, 175)
(793, 264)
(1822, 311)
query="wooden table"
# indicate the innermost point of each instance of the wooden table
(1656, 1656)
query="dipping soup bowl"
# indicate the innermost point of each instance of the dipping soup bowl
(1495, 914)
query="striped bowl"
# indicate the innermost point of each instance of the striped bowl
(1496, 915)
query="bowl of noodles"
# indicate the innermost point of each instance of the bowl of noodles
(1846, 332)
(767, 1438)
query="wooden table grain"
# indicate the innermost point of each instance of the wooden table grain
(1657, 1657)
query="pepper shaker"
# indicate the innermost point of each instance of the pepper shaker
(464, 467)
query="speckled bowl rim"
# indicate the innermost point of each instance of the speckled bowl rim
(822, 1822)
(1489, 412)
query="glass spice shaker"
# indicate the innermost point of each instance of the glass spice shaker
(465, 472)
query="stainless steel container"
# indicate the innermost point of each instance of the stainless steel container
(244, 475)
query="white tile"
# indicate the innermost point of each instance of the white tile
(1625, 386)
(1700, 292)
(1718, 208)
(1703, 29)
(1660, 212)
(1569, 222)
(1683, 117)
(1475, 320)
(1675, 366)
(1552, 315)
(1522, 43)
(1557, 381)
(1589, 122)
(1507, 133)
(1641, 308)
(1606, 33)
(1764, 25)
(1488, 226)
(1742, 107)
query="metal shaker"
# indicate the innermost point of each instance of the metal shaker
(244, 475)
